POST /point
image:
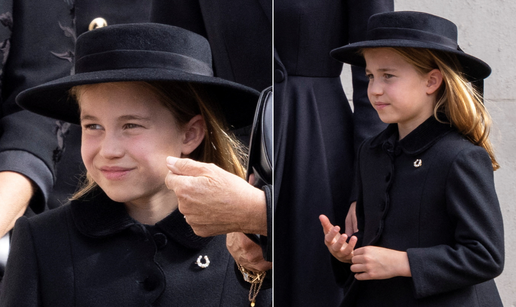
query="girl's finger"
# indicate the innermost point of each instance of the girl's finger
(332, 236)
(325, 222)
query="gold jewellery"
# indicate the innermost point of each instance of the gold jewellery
(256, 281)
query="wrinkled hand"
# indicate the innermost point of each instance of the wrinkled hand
(246, 252)
(336, 242)
(373, 262)
(351, 223)
(215, 201)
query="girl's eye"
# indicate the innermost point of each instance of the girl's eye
(370, 76)
(93, 127)
(388, 76)
(131, 126)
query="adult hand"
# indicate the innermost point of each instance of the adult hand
(16, 191)
(336, 242)
(246, 252)
(351, 224)
(215, 201)
(373, 262)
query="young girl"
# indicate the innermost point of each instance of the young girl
(430, 227)
(141, 93)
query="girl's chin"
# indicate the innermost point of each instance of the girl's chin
(118, 196)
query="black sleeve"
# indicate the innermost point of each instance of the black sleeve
(40, 41)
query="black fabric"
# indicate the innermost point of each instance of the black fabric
(92, 253)
(239, 32)
(315, 134)
(443, 212)
(416, 30)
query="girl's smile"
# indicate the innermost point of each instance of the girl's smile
(115, 172)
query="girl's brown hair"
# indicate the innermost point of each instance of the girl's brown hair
(456, 98)
(186, 100)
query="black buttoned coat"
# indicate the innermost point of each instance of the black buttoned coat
(92, 253)
(432, 195)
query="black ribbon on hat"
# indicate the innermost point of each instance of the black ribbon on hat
(126, 59)
(410, 34)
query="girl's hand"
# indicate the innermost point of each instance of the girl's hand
(336, 242)
(373, 262)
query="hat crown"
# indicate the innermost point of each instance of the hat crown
(142, 45)
(409, 25)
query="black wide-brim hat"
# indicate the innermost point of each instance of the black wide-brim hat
(413, 30)
(141, 52)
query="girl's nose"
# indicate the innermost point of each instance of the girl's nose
(112, 146)
(375, 88)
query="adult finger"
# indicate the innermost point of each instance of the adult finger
(188, 167)
(179, 183)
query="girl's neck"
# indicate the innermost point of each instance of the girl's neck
(152, 210)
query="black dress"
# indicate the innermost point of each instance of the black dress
(316, 134)
(92, 253)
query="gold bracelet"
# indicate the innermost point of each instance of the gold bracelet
(255, 279)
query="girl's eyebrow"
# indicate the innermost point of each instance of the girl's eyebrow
(120, 118)
(134, 117)
(87, 117)
(382, 69)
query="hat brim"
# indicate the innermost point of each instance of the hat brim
(51, 99)
(473, 67)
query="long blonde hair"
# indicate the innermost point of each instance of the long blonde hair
(456, 98)
(186, 100)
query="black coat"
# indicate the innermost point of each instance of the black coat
(315, 137)
(443, 213)
(92, 253)
(41, 49)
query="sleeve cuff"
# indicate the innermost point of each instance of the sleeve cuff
(33, 168)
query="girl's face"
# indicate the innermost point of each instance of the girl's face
(398, 92)
(126, 136)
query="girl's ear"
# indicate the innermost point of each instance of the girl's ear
(434, 81)
(193, 134)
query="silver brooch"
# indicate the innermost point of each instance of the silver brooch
(201, 264)
(418, 163)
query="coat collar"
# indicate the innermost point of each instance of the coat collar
(96, 215)
(417, 141)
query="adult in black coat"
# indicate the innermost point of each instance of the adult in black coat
(316, 134)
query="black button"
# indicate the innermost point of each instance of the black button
(160, 239)
(279, 76)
